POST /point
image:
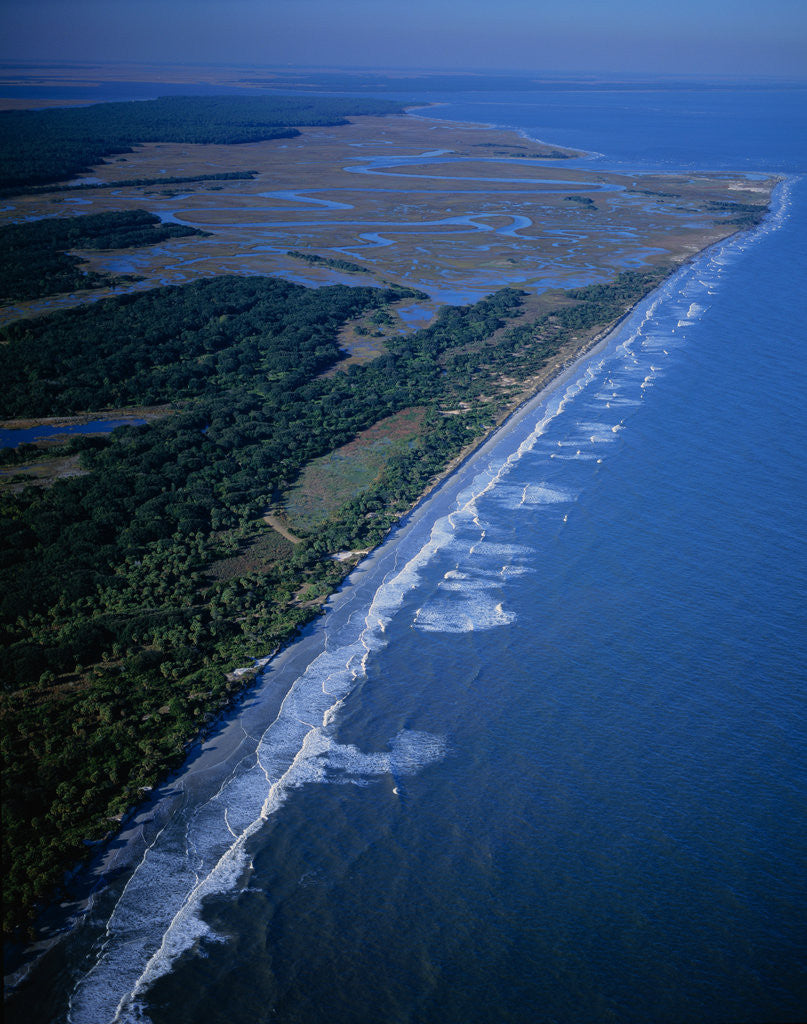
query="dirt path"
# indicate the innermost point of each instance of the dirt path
(276, 524)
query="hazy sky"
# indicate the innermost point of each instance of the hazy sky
(760, 37)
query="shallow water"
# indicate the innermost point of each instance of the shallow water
(544, 758)
(11, 438)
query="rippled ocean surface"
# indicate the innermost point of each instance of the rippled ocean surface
(544, 760)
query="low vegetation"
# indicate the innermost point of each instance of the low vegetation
(332, 480)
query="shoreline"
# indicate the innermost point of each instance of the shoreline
(558, 376)
(563, 152)
(217, 745)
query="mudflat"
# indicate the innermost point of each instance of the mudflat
(454, 210)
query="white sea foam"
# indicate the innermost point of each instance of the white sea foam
(151, 896)
(597, 433)
(624, 403)
(577, 456)
(542, 494)
(471, 610)
(158, 915)
(472, 600)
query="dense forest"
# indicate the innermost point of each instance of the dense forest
(33, 258)
(329, 261)
(39, 146)
(128, 592)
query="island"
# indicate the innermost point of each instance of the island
(312, 321)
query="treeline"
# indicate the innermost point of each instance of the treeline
(746, 215)
(174, 343)
(189, 179)
(117, 627)
(39, 146)
(33, 261)
(444, 82)
(328, 261)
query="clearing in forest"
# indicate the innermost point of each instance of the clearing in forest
(328, 482)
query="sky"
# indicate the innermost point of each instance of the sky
(723, 37)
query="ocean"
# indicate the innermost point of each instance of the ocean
(544, 758)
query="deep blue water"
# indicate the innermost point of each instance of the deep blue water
(747, 129)
(544, 760)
